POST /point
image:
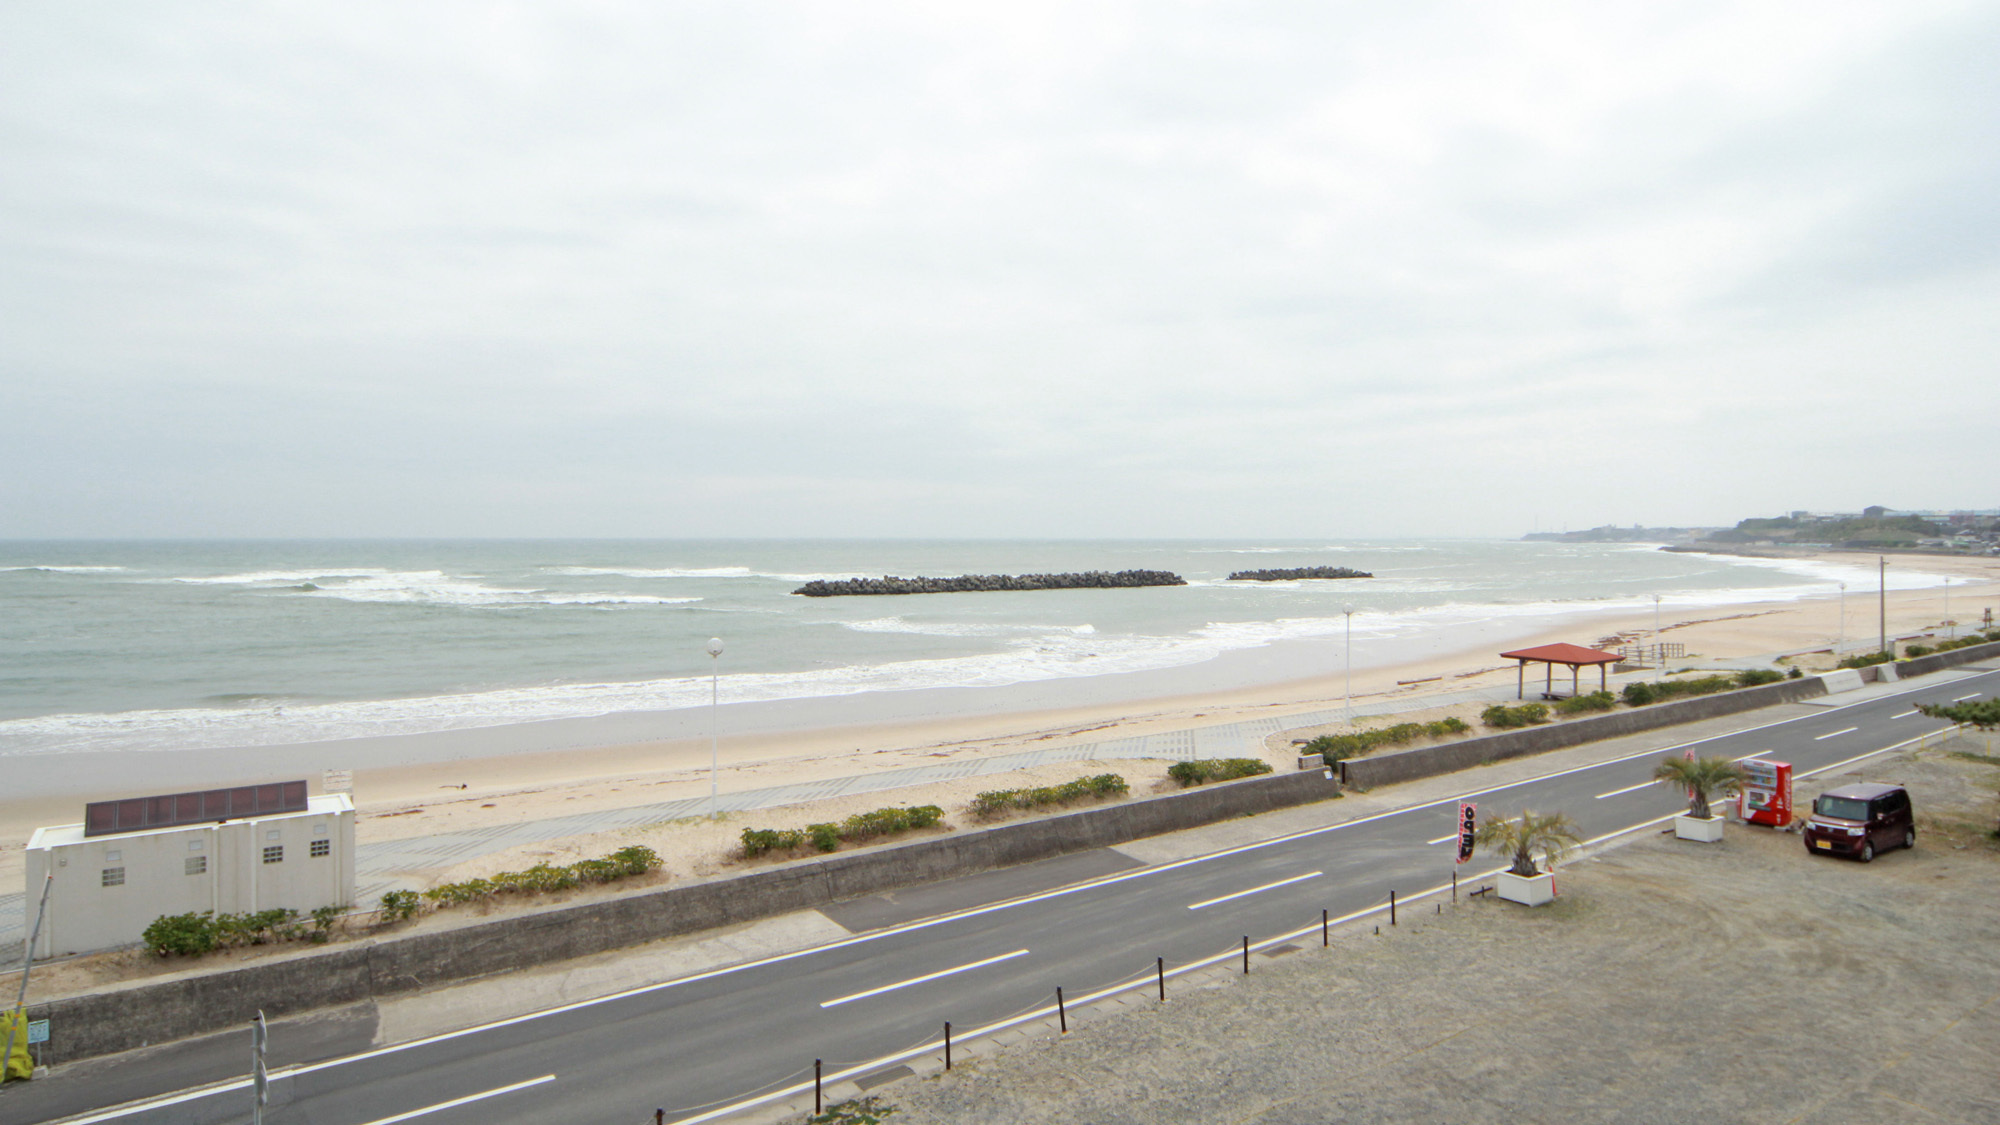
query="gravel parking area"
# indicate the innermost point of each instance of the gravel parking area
(1671, 982)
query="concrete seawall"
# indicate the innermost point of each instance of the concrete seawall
(1428, 761)
(195, 1003)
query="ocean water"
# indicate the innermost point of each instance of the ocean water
(166, 645)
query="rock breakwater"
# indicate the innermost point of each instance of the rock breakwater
(1298, 572)
(983, 583)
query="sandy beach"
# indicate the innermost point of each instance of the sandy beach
(417, 786)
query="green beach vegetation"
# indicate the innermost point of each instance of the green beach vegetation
(193, 934)
(1340, 747)
(543, 878)
(1203, 770)
(828, 836)
(1507, 718)
(999, 802)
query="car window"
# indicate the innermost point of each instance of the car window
(1841, 808)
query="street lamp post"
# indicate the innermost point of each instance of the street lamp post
(714, 715)
(1348, 612)
(1659, 646)
(1840, 643)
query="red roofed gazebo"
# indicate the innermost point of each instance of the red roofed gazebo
(1576, 656)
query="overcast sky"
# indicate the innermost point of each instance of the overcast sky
(1093, 270)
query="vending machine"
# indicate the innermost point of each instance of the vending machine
(1767, 792)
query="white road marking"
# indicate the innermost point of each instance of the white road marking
(1631, 788)
(1963, 698)
(467, 1100)
(1265, 887)
(1748, 757)
(940, 974)
(1834, 734)
(1442, 839)
(1904, 715)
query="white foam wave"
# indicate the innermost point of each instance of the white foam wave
(425, 587)
(279, 577)
(965, 628)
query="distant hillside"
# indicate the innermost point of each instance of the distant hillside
(1610, 534)
(1862, 531)
(1872, 529)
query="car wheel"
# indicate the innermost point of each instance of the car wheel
(1867, 852)
(1909, 837)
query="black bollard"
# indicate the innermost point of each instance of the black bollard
(1325, 935)
(1246, 955)
(818, 1107)
(947, 1044)
(1392, 908)
(1062, 1013)
(1163, 979)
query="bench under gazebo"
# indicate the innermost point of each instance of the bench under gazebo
(1575, 656)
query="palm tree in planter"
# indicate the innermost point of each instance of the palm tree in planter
(1703, 778)
(1548, 836)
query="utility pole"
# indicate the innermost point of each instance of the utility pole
(27, 962)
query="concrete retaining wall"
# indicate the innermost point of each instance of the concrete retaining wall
(1428, 761)
(1938, 661)
(195, 1003)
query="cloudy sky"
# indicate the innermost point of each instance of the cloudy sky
(1015, 270)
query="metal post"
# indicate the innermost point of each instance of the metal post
(1062, 1012)
(1161, 964)
(27, 962)
(947, 1044)
(1325, 931)
(714, 715)
(659, 1117)
(818, 1106)
(1454, 886)
(1246, 955)
(1392, 908)
(260, 1080)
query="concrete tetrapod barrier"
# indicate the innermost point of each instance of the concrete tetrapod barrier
(142, 1013)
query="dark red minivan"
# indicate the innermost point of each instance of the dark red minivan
(1860, 820)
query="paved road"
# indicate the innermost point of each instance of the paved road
(706, 1042)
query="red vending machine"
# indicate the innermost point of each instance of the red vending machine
(1767, 792)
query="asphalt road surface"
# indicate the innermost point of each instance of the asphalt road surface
(704, 1045)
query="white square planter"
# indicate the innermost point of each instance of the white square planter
(1695, 828)
(1535, 891)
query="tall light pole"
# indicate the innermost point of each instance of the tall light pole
(1659, 646)
(1348, 612)
(1841, 642)
(1882, 594)
(714, 715)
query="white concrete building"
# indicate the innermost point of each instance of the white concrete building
(109, 887)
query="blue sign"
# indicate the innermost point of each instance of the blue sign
(38, 1031)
